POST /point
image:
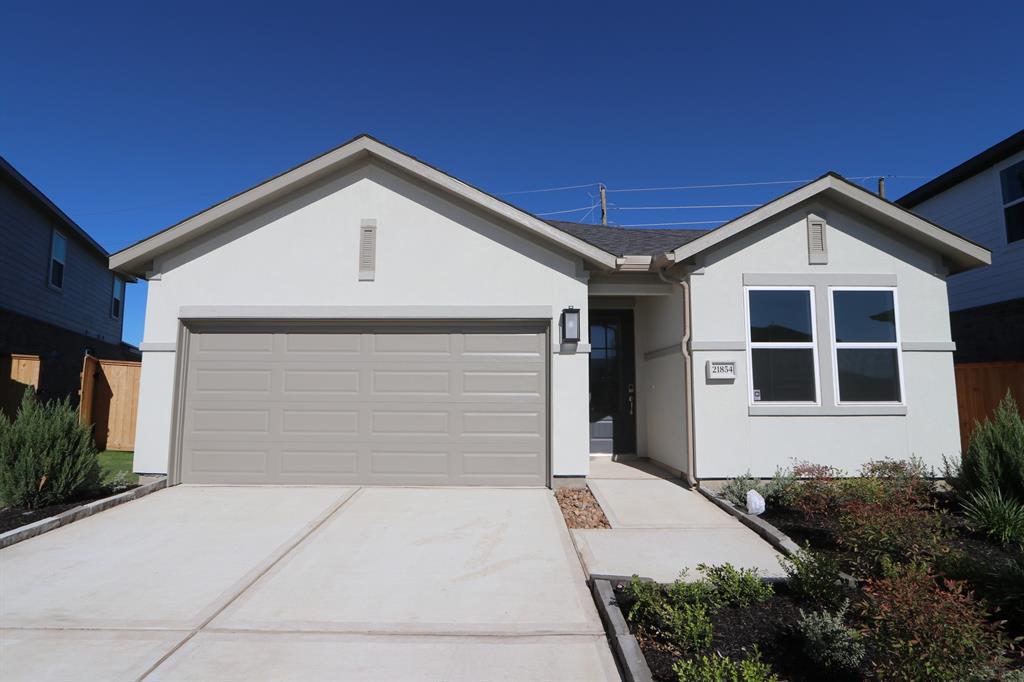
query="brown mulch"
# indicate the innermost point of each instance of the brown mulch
(580, 508)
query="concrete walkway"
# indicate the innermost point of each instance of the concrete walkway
(310, 583)
(660, 527)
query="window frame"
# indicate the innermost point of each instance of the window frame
(782, 345)
(56, 234)
(114, 298)
(836, 346)
(1007, 204)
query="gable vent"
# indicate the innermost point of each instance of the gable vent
(817, 250)
(367, 249)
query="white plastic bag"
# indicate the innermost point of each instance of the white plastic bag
(755, 503)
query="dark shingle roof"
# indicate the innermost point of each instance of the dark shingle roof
(631, 241)
(969, 168)
(19, 180)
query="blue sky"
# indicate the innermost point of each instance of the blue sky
(132, 116)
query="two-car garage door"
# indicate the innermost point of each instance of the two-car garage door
(441, 404)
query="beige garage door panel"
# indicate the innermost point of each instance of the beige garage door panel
(366, 406)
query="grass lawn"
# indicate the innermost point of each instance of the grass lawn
(112, 462)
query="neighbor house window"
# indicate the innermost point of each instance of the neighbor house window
(58, 257)
(117, 299)
(783, 358)
(1012, 179)
(866, 350)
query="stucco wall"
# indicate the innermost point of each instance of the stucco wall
(730, 440)
(974, 209)
(303, 252)
(661, 379)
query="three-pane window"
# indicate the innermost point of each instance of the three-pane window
(866, 346)
(58, 257)
(783, 358)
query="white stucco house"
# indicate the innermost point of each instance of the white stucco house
(367, 318)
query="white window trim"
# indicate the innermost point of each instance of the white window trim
(113, 297)
(751, 345)
(887, 345)
(54, 235)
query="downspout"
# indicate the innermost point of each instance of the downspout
(684, 347)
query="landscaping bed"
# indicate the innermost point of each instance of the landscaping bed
(49, 464)
(116, 477)
(580, 508)
(897, 579)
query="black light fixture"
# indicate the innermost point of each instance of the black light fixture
(571, 325)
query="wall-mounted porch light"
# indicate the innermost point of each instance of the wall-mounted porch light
(571, 325)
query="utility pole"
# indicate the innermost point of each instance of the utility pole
(604, 203)
(881, 187)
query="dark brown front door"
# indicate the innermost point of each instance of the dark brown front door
(612, 382)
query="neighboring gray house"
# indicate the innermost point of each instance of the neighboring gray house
(58, 299)
(983, 200)
(366, 318)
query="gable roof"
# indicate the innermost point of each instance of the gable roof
(969, 168)
(961, 254)
(629, 241)
(135, 259)
(19, 180)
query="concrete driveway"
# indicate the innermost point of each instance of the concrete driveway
(304, 583)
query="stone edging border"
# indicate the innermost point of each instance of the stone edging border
(41, 526)
(775, 537)
(624, 645)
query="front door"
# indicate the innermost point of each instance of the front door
(612, 382)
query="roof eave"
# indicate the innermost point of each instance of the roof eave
(135, 258)
(960, 253)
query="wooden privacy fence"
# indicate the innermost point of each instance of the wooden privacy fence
(979, 388)
(109, 399)
(16, 372)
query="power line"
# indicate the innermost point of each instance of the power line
(688, 222)
(569, 210)
(549, 189)
(667, 208)
(760, 184)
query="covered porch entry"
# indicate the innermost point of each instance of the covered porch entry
(637, 372)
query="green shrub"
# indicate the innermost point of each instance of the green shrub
(648, 601)
(46, 456)
(911, 478)
(995, 455)
(735, 587)
(735, 489)
(777, 491)
(920, 630)
(829, 642)
(814, 577)
(998, 517)
(688, 626)
(717, 668)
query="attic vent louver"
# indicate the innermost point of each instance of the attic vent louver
(367, 249)
(817, 250)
